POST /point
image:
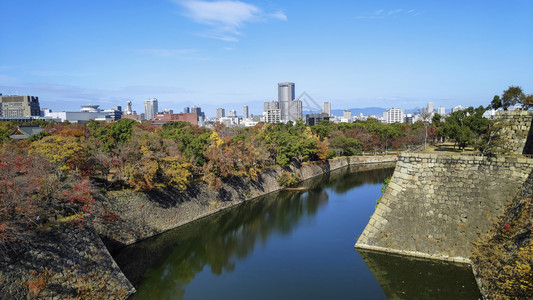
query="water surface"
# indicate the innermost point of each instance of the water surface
(288, 245)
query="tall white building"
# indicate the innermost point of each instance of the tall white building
(431, 107)
(291, 108)
(347, 114)
(326, 108)
(221, 113)
(442, 110)
(394, 115)
(232, 113)
(150, 108)
(245, 112)
(285, 96)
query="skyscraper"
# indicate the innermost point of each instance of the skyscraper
(442, 110)
(150, 108)
(245, 112)
(295, 110)
(221, 113)
(431, 107)
(285, 96)
(327, 108)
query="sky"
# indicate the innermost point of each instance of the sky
(227, 54)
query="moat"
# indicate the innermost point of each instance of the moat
(289, 245)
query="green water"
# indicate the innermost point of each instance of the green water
(289, 245)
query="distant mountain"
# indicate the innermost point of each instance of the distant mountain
(355, 111)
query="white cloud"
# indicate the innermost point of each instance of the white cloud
(382, 13)
(183, 54)
(279, 15)
(226, 18)
(166, 52)
(394, 12)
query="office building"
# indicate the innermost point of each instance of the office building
(150, 108)
(313, 119)
(19, 106)
(221, 113)
(442, 110)
(326, 108)
(347, 114)
(232, 113)
(245, 112)
(201, 115)
(187, 110)
(431, 107)
(295, 110)
(291, 109)
(270, 105)
(394, 115)
(272, 115)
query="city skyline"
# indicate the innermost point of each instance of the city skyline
(382, 53)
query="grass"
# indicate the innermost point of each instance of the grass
(448, 148)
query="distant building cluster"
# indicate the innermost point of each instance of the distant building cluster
(285, 109)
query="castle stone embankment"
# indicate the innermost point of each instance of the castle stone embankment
(141, 215)
(516, 132)
(437, 205)
(61, 262)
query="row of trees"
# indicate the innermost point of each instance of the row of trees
(55, 174)
(512, 96)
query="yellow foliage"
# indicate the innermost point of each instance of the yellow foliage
(57, 149)
(177, 171)
(215, 138)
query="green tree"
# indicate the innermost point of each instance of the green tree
(465, 126)
(496, 102)
(112, 134)
(5, 130)
(511, 96)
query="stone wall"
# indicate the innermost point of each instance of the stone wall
(517, 135)
(141, 215)
(66, 261)
(436, 205)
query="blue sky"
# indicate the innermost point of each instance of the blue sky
(233, 53)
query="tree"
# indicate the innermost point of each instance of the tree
(5, 130)
(511, 96)
(112, 134)
(496, 102)
(465, 126)
(65, 153)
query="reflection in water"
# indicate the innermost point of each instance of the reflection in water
(403, 277)
(284, 223)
